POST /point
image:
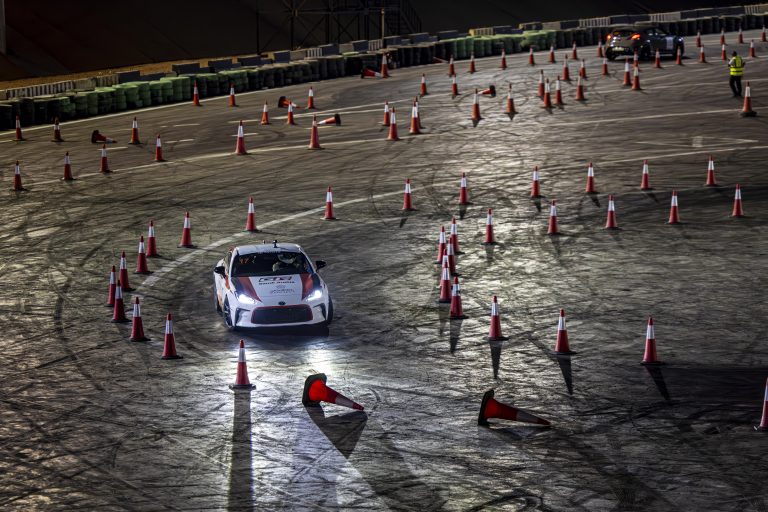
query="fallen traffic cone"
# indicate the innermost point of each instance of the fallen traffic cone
(169, 340)
(451, 67)
(574, 55)
(746, 110)
(311, 98)
(407, 204)
(314, 140)
(445, 282)
(453, 236)
(674, 217)
(457, 312)
(289, 120)
(316, 391)
(551, 54)
(698, 39)
(535, 191)
(141, 259)
(627, 80)
(415, 125)
(250, 219)
(135, 132)
(19, 136)
(540, 90)
(645, 182)
(510, 109)
(752, 49)
(17, 185)
(494, 333)
(547, 95)
(657, 61)
(423, 89)
(384, 66)
(454, 87)
(552, 228)
(722, 36)
(195, 95)
(392, 134)
(636, 80)
(240, 143)
(265, 114)
(112, 287)
(186, 233)
(57, 131)
(610, 222)
(232, 102)
(566, 72)
(558, 93)
(763, 427)
(137, 326)
(123, 273)
(583, 70)
(463, 191)
(723, 54)
(741, 36)
(67, 168)
(440, 246)
(531, 59)
(503, 64)
(472, 63)
(386, 114)
(490, 91)
(329, 205)
(334, 119)
(104, 164)
(158, 149)
(604, 71)
(711, 182)
(579, 91)
(476, 108)
(737, 209)
(283, 102)
(590, 188)
(649, 357)
(490, 239)
(151, 241)
(679, 57)
(561, 343)
(702, 57)
(118, 311)
(600, 53)
(491, 408)
(242, 383)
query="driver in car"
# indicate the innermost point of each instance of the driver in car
(287, 261)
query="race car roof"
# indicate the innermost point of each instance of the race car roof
(266, 248)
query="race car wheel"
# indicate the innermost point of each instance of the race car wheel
(329, 317)
(228, 317)
(610, 55)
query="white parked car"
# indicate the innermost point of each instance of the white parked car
(269, 285)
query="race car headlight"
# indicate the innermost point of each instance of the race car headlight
(317, 294)
(244, 299)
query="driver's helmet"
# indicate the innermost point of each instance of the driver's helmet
(286, 257)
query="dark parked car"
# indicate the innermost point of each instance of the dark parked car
(643, 40)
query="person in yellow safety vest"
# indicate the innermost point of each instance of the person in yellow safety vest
(736, 65)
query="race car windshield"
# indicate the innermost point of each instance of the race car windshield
(270, 264)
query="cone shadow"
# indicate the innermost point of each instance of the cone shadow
(241, 478)
(454, 334)
(652, 196)
(475, 122)
(658, 378)
(537, 203)
(511, 116)
(564, 361)
(495, 356)
(595, 199)
(443, 316)
(489, 251)
(462, 211)
(343, 430)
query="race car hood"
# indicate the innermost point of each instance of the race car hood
(272, 290)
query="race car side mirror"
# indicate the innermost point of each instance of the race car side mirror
(320, 264)
(219, 270)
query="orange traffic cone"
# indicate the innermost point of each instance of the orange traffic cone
(453, 236)
(627, 80)
(510, 102)
(135, 132)
(579, 91)
(316, 391)
(472, 63)
(407, 204)
(490, 239)
(19, 135)
(450, 253)
(551, 54)
(169, 340)
(566, 72)
(445, 281)
(137, 326)
(186, 233)
(763, 36)
(195, 96)
(123, 273)
(118, 311)
(17, 185)
(600, 53)
(242, 383)
(583, 70)
(112, 287)
(604, 71)
(151, 241)
(674, 217)
(540, 90)
(289, 120)
(476, 108)
(415, 125)
(67, 168)
(552, 228)
(57, 131)
(702, 56)
(423, 89)
(657, 61)
(746, 110)
(494, 333)
(610, 222)
(490, 91)
(463, 191)
(574, 55)
(531, 59)
(590, 188)
(752, 49)
(741, 37)
(698, 39)
(392, 134)
(240, 144)
(636, 80)
(547, 95)
(314, 141)
(141, 259)
(232, 102)
(650, 357)
(158, 149)
(104, 164)
(384, 66)
(561, 343)
(491, 408)
(457, 311)
(535, 191)
(711, 182)
(386, 114)
(250, 220)
(763, 427)
(503, 64)
(723, 54)
(678, 57)
(440, 246)
(451, 67)
(454, 87)
(311, 98)
(334, 119)
(636, 60)
(722, 36)
(645, 181)
(329, 205)
(283, 102)
(265, 114)
(737, 209)
(558, 93)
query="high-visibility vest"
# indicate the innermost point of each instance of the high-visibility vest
(737, 66)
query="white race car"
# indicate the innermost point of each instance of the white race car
(270, 285)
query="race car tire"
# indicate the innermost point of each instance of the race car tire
(228, 317)
(610, 55)
(329, 317)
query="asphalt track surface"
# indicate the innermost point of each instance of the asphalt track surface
(91, 421)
